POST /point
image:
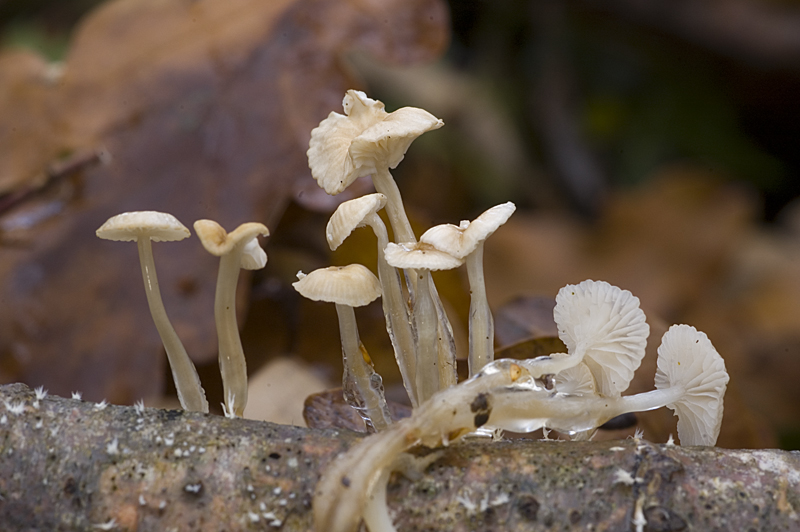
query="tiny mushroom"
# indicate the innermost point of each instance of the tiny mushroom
(435, 367)
(237, 250)
(686, 358)
(367, 140)
(466, 242)
(143, 227)
(358, 213)
(603, 327)
(348, 287)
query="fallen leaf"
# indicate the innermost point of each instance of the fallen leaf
(205, 109)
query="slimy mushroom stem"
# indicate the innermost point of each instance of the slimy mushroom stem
(398, 322)
(144, 226)
(359, 372)
(348, 287)
(236, 250)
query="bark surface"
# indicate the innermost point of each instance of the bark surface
(66, 464)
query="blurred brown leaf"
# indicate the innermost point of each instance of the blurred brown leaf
(206, 109)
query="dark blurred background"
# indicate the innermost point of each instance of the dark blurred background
(650, 143)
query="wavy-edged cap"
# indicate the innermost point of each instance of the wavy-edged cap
(157, 226)
(608, 324)
(460, 241)
(350, 215)
(346, 147)
(353, 285)
(218, 242)
(419, 256)
(687, 358)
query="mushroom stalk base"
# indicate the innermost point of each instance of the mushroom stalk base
(232, 363)
(187, 382)
(362, 386)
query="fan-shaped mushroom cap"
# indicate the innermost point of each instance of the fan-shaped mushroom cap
(128, 226)
(350, 215)
(353, 285)
(686, 358)
(218, 242)
(346, 147)
(462, 240)
(608, 323)
(419, 256)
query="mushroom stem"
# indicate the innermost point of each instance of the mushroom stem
(362, 386)
(232, 363)
(401, 227)
(446, 343)
(570, 414)
(551, 365)
(187, 382)
(395, 309)
(481, 323)
(426, 324)
(386, 185)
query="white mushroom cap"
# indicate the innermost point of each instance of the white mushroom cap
(346, 147)
(128, 226)
(388, 141)
(353, 285)
(462, 240)
(253, 256)
(608, 323)
(218, 242)
(687, 358)
(419, 256)
(350, 215)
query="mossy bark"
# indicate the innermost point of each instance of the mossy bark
(69, 465)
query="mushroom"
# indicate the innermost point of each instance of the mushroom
(237, 250)
(143, 227)
(687, 359)
(466, 242)
(348, 287)
(367, 140)
(357, 213)
(602, 326)
(435, 367)
(506, 395)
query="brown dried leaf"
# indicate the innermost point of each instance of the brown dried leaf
(206, 109)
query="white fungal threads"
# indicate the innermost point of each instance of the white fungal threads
(15, 408)
(77, 396)
(108, 525)
(113, 447)
(138, 407)
(623, 477)
(101, 405)
(40, 392)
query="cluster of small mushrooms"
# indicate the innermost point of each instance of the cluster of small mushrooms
(574, 393)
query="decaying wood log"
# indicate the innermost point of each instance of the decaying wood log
(66, 464)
